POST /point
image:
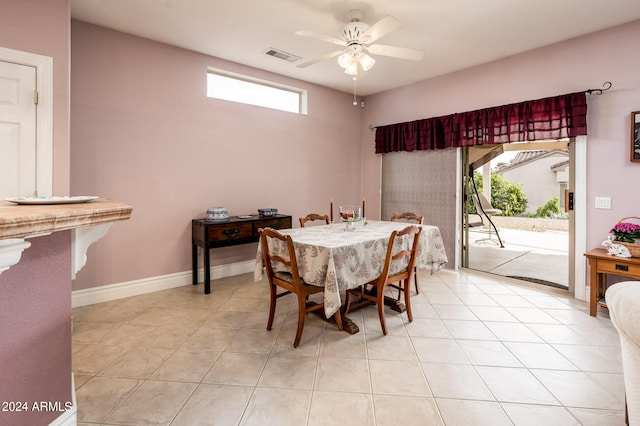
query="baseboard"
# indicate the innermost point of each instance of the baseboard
(68, 418)
(116, 291)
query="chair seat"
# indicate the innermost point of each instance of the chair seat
(493, 211)
(284, 276)
(288, 277)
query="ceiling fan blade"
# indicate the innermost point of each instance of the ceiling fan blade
(395, 52)
(381, 28)
(319, 59)
(322, 37)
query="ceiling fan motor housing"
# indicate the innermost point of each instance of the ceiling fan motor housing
(353, 32)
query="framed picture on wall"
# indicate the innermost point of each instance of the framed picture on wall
(635, 136)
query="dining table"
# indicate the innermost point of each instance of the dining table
(343, 256)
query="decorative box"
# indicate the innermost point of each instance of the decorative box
(217, 213)
(267, 212)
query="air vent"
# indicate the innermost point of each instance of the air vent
(281, 55)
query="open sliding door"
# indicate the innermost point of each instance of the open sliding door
(518, 242)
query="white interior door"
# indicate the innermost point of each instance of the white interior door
(18, 165)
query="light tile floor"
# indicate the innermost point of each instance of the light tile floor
(482, 350)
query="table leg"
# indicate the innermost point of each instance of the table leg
(194, 264)
(594, 282)
(207, 271)
(347, 323)
(395, 304)
(349, 326)
(601, 288)
(392, 303)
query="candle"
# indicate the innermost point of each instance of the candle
(331, 210)
(363, 215)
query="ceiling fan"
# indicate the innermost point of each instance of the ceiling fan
(356, 38)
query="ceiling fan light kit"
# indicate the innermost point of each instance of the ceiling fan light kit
(352, 69)
(345, 60)
(351, 61)
(366, 61)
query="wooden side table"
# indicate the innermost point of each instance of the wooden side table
(601, 264)
(237, 230)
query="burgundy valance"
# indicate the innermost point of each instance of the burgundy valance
(558, 117)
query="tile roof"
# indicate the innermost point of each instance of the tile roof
(524, 157)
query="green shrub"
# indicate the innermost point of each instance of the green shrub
(506, 196)
(549, 209)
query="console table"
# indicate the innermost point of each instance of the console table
(601, 264)
(209, 234)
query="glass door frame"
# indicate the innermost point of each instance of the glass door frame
(577, 223)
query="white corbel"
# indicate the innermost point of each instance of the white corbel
(81, 239)
(10, 252)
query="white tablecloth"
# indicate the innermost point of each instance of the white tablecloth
(337, 260)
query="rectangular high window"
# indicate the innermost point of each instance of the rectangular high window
(237, 88)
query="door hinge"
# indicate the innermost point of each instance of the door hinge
(35, 97)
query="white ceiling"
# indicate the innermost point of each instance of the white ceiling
(454, 34)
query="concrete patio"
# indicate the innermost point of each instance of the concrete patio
(536, 256)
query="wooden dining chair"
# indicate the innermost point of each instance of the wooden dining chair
(290, 281)
(410, 218)
(401, 279)
(407, 217)
(312, 217)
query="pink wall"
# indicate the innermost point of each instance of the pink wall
(35, 330)
(35, 294)
(571, 66)
(43, 27)
(144, 132)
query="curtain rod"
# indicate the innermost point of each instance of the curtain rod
(605, 86)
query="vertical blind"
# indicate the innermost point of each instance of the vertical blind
(556, 117)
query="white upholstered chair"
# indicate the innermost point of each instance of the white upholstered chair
(623, 301)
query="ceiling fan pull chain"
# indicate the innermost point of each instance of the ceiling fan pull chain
(355, 83)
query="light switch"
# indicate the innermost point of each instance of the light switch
(603, 203)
